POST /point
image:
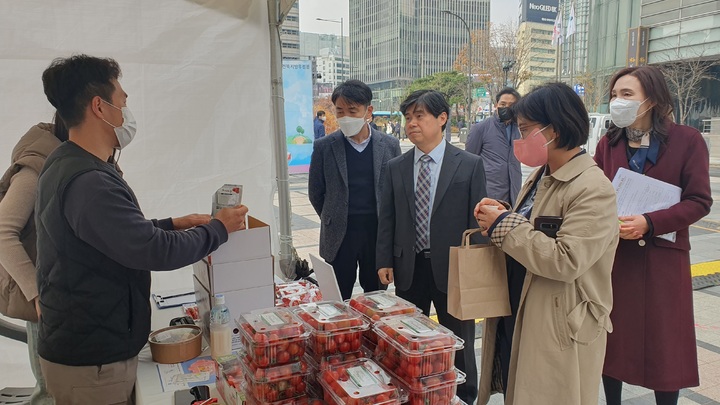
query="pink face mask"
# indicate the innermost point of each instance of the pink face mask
(532, 151)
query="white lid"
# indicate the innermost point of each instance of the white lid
(219, 299)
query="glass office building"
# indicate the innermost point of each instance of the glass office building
(394, 42)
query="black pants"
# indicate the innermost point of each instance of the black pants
(357, 251)
(613, 393)
(422, 292)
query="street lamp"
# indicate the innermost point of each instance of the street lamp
(342, 42)
(507, 65)
(469, 66)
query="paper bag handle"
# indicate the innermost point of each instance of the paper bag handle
(466, 236)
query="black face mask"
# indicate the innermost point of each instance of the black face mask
(505, 114)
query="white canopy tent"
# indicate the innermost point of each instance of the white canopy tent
(204, 83)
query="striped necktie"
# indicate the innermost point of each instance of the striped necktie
(422, 205)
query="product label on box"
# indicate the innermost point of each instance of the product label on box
(272, 319)
(416, 326)
(382, 301)
(361, 377)
(329, 310)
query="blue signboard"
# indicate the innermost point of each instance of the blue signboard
(297, 88)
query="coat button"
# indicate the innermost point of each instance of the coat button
(641, 242)
(547, 183)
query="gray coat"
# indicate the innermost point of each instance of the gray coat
(328, 184)
(502, 169)
(461, 185)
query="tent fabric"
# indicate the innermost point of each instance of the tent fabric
(198, 77)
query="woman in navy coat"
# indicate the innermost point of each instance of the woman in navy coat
(653, 342)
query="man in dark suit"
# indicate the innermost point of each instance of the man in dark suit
(344, 187)
(427, 203)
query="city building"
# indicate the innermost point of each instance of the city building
(573, 64)
(394, 42)
(290, 34)
(311, 43)
(678, 30)
(537, 56)
(331, 68)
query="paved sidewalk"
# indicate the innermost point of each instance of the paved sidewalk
(705, 256)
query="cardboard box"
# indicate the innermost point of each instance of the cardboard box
(224, 277)
(248, 244)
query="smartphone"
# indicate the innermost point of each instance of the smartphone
(548, 225)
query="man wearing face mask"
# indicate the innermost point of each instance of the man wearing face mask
(492, 140)
(95, 247)
(319, 124)
(344, 187)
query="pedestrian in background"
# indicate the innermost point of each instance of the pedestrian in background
(492, 140)
(319, 124)
(653, 343)
(345, 184)
(18, 248)
(560, 241)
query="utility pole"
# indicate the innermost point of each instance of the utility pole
(468, 111)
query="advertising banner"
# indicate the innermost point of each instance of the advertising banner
(539, 11)
(297, 88)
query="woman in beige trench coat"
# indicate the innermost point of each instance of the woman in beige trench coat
(563, 302)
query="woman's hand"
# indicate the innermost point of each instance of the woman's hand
(487, 212)
(633, 227)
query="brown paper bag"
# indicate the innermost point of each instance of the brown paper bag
(477, 281)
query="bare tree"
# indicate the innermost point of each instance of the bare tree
(596, 89)
(684, 78)
(493, 48)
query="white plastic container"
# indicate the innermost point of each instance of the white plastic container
(220, 331)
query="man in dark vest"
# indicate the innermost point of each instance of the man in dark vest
(95, 247)
(344, 187)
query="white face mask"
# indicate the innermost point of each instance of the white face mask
(624, 112)
(126, 132)
(351, 126)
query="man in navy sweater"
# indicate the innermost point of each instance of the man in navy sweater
(344, 187)
(95, 247)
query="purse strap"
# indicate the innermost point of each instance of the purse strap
(466, 236)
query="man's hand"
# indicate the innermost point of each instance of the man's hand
(37, 307)
(633, 227)
(233, 218)
(486, 212)
(189, 221)
(386, 275)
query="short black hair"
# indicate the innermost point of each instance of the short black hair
(354, 91)
(59, 129)
(507, 90)
(320, 113)
(558, 105)
(71, 83)
(432, 101)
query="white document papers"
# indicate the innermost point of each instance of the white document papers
(638, 194)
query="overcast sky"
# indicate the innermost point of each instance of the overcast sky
(501, 11)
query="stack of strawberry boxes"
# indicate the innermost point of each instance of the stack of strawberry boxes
(272, 367)
(376, 305)
(419, 355)
(336, 333)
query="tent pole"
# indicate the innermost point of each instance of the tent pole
(281, 165)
